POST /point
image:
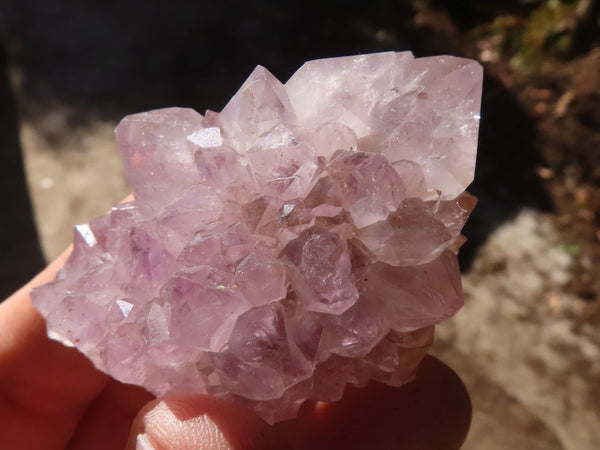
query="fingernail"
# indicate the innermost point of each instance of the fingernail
(143, 443)
(173, 424)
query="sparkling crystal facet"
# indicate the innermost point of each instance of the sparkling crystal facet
(300, 240)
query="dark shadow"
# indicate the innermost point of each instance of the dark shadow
(20, 253)
(587, 29)
(505, 175)
(139, 54)
(115, 58)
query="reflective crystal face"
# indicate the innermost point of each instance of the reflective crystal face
(299, 240)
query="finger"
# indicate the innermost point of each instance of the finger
(432, 412)
(198, 421)
(44, 386)
(108, 420)
(30, 363)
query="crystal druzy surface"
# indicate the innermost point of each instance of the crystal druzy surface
(300, 240)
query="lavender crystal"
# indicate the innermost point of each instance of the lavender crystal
(302, 239)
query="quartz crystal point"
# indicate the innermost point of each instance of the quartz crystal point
(300, 240)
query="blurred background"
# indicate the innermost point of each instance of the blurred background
(527, 343)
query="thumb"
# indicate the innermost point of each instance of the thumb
(196, 422)
(431, 412)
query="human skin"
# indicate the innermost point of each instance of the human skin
(52, 397)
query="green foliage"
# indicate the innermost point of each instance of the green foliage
(527, 41)
(571, 249)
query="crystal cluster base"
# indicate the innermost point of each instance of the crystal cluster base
(300, 240)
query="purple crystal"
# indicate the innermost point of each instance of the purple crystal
(300, 240)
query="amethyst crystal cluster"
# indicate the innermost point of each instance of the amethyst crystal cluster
(302, 239)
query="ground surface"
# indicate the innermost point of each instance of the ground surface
(527, 342)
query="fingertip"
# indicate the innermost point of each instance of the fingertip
(195, 421)
(166, 426)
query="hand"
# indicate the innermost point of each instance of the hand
(51, 397)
